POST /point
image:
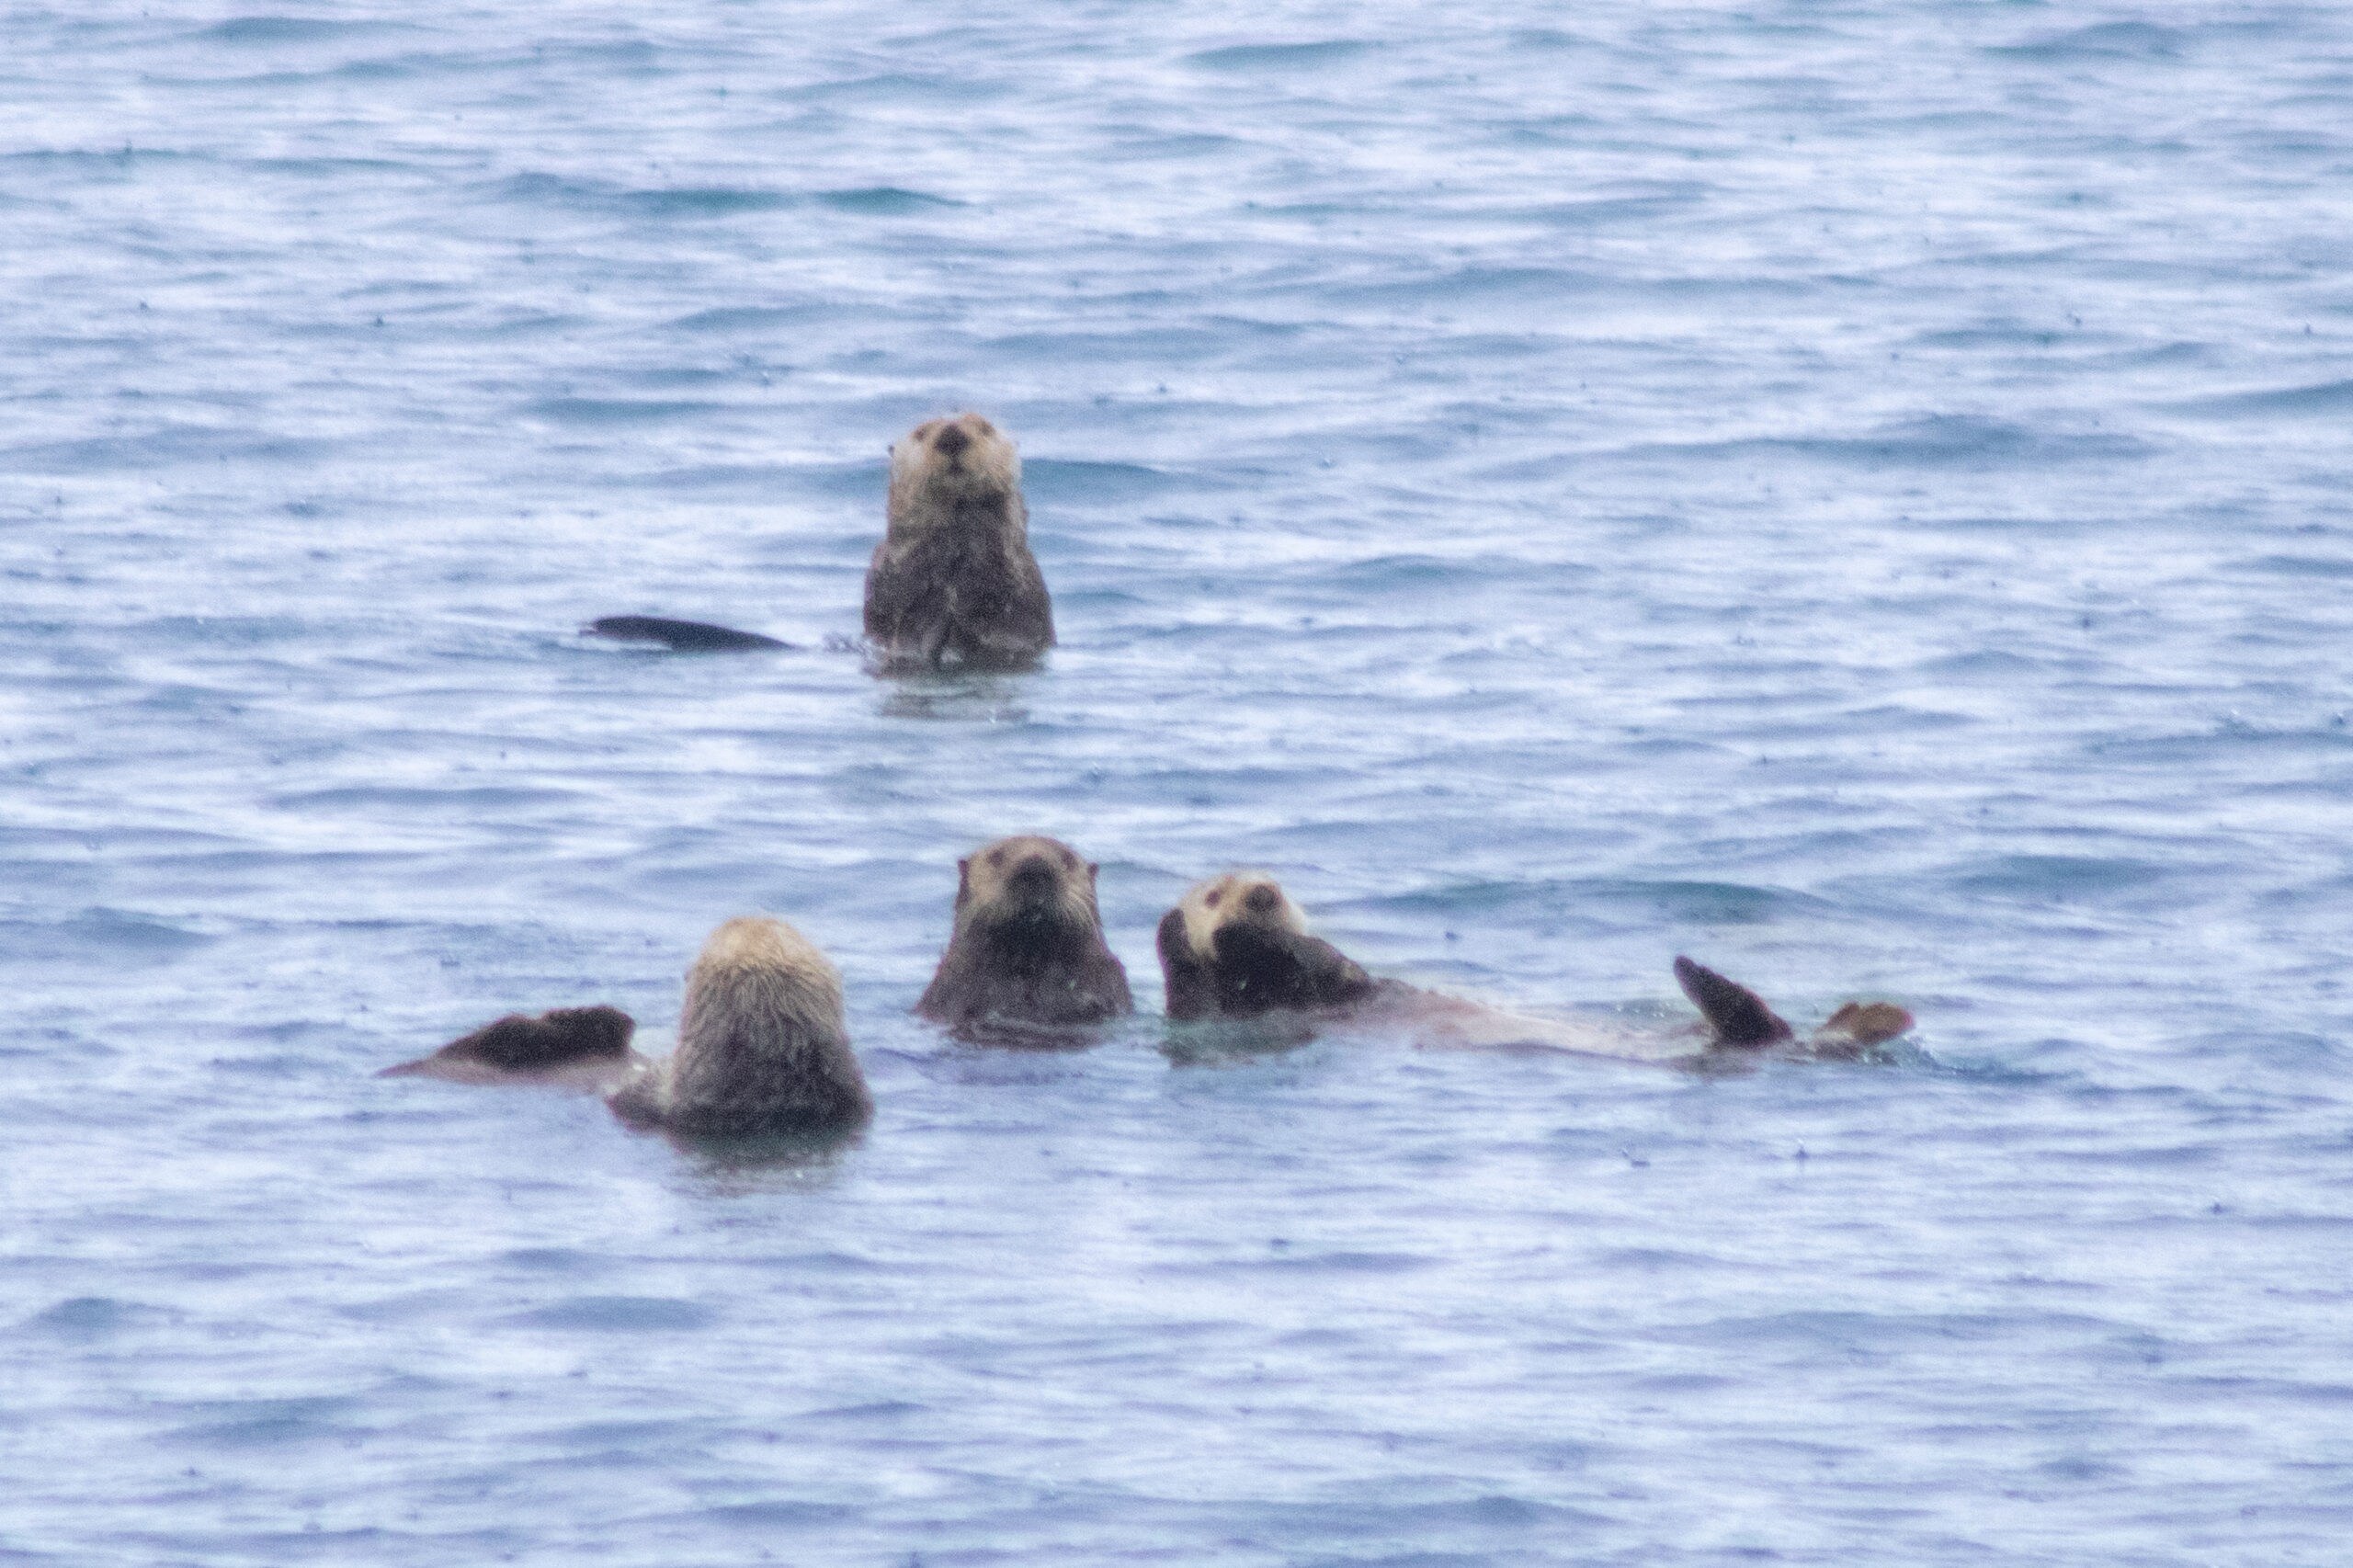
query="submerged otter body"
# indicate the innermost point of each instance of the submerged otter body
(761, 1046)
(953, 582)
(1236, 947)
(1027, 956)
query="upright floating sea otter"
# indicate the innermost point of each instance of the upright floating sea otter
(953, 582)
(1026, 964)
(1236, 947)
(761, 1046)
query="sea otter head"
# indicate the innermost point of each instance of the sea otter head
(1026, 892)
(1236, 945)
(944, 465)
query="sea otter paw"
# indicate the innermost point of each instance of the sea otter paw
(1859, 1026)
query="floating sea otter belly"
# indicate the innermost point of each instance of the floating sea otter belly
(1026, 964)
(761, 1046)
(953, 582)
(1236, 947)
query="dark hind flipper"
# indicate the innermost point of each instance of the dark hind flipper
(1260, 968)
(1857, 1027)
(1737, 1014)
(520, 1047)
(678, 636)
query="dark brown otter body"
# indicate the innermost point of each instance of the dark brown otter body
(953, 582)
(1027, 951)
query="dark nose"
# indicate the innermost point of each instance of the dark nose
(1032, 877)
(1261, 900)
(950, 441)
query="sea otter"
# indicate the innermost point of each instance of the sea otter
(953, 582)
(761, 1046)
(1027, 959)
(1236, 947)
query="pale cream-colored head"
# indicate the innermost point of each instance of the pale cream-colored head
(767, 959)
(942, 463)
(1024, 873)
(1237, 898)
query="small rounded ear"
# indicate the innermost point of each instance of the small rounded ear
(963, 883)
(1092, 867)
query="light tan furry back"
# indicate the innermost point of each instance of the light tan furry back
(762, 1047)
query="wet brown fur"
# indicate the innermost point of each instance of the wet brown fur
(1027, 948)
(953, 582)
(583, 1047)
(762, 1048)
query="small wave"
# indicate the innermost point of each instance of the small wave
(87, 1317)
(266, 1423)
(616, 411)
(2055, 876)
(885, 200)
(1965, 442)
(1703, 903)
(713, 201)
(292, 29)
(2332, 398)
(115, 936)
(2107, 41)
(1278, 56)
(738, 318)
(1061, 478)
(620, 1315)
(2303, 566)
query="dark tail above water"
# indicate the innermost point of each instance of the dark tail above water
(678, 636)
(1738, 1015)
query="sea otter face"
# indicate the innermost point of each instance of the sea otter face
(943, 461)
(1236, 947)
(1027, 882)
(1237, 898)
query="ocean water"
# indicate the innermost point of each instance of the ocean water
(1856, 493)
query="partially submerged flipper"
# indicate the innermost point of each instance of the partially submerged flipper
(523, 1048)
(678, 636)
(1737, 1015)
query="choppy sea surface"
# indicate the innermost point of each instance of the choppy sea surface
(1856, 493)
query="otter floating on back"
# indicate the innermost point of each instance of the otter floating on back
(762, 1048)
(1027, 957)
(1236, 947)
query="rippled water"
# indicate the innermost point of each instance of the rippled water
(1857, 494)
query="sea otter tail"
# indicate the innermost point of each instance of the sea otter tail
(1737, 1014)
(678, 636)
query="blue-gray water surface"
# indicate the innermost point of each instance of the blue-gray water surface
(1856, 493)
